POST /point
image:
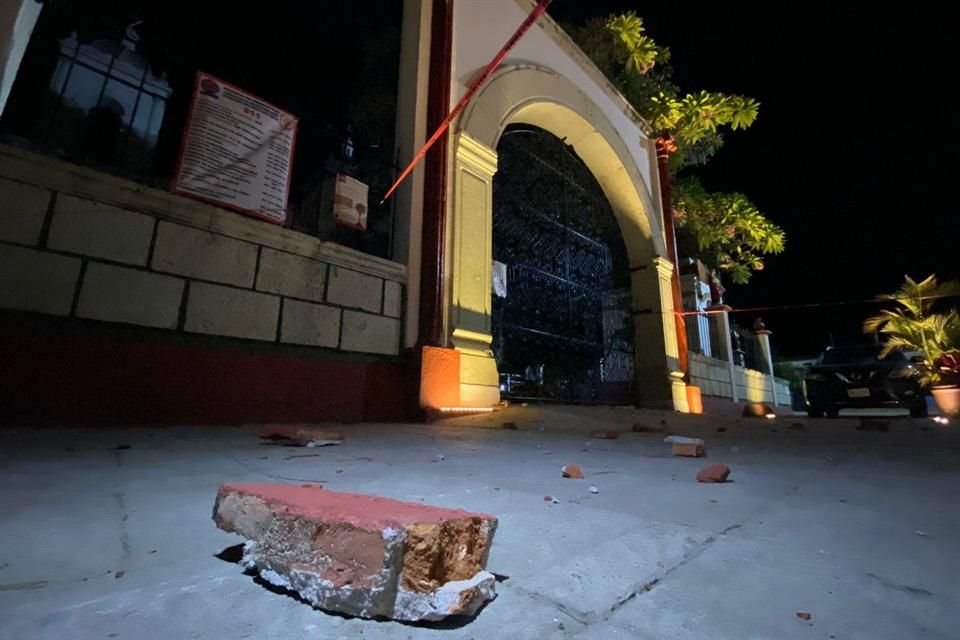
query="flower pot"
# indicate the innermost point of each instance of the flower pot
(947, 398)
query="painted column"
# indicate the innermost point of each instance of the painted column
(763, 338)
(17, 19)
(471, 232)
(658, 378)
(722, 314)
(411, 133)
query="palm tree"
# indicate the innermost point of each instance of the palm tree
(915, 325)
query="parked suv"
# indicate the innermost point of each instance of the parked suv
(856, 377)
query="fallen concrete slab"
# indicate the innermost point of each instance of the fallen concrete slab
(362, 555)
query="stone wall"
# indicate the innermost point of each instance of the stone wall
(76, 243)
(713, 378)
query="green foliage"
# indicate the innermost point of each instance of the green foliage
(730, 233)
(636, 49)
(638, 67)
(917, 324)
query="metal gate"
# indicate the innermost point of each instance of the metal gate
(563, 330)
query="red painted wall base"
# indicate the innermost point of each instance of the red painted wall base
(74, 374)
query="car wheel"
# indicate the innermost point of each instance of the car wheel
(832, 412)
(815, 412)
(918, 410)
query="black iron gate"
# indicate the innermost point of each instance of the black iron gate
(563, 331)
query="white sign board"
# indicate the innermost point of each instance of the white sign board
(237, 151)
(350, 202)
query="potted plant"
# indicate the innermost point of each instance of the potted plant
(946, 383)
(918, 325)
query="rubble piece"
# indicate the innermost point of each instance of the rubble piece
(873, 424)
(689, 450)
(510, 426)
(642, 428)
(551, 500)
(683, 440)
(605, 435)
(714, 473)
(758, 410)
(301, 435)
(362, 555)
(804, 615)
(572, 471)
(594, 490)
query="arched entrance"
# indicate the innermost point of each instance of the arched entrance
(562, 327)
(539, 97)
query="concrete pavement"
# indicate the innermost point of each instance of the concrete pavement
(107, 532)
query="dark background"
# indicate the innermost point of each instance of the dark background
(852, 154)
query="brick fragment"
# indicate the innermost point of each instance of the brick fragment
(689, 450)
(362, 555)
(572, 471)
(714, 473)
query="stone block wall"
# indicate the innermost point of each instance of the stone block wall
(79, 244)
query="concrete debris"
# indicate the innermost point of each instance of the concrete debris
(439, 457)
(922, 534)
(510, 426)
(804, 615)
(300, 435)
(551, 499)
(605, 435)
(594, 490)
(714, 473)
(689, 450)
(683, 440)
(758, 410)
(572, 471)
(362, 555)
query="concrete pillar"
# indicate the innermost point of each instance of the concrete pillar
(655, 342)
(411, 134)
(726, 347)
(471, 235)
(17, 19)
(763, 338)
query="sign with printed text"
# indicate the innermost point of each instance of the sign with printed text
(350, 202)
(237, 151)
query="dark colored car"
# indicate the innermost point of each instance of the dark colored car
(856, 377)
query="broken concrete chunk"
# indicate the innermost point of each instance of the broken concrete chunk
(714, 473)
(689, 450)
(683, 440)
(572, 471)
(362, 555)
(302, 435)
(605, 435)
(758, 410)
(804, 615)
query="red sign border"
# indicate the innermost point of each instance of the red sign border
(255, 213)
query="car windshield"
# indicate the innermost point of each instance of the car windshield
(861, 355)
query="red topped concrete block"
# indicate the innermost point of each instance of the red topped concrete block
(362, 555)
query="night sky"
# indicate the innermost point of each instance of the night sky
(852, 154)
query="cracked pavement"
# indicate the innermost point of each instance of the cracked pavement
(857, 528)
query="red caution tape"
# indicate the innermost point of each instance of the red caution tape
(538, 11)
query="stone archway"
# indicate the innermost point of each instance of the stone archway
(541, 97)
